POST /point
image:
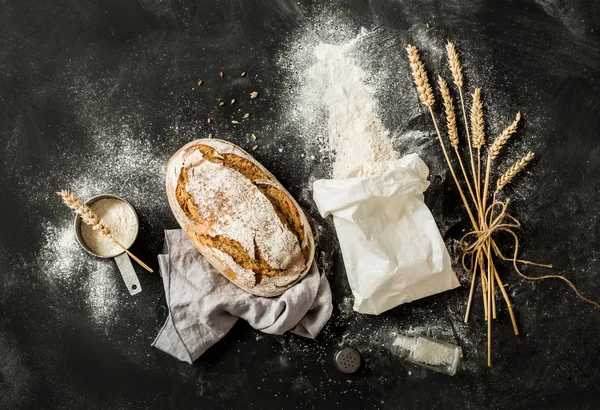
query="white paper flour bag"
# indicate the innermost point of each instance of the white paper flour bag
(392, 248)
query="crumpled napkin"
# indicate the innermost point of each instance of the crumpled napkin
(204, 305)
(393, 251)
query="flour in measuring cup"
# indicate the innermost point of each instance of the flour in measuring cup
(121, 220)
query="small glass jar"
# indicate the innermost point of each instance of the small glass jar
(428, 353)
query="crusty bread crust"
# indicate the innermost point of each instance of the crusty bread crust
(247, 268)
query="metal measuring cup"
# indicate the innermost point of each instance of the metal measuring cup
(123, 262)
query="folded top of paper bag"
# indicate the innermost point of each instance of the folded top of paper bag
(409, 176)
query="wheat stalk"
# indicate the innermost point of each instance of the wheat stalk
(90, 218)
(85, 212)
(504, 137)
(420, 76)
(477, 124)
(454, 64)
(450, 117)
(513, 171)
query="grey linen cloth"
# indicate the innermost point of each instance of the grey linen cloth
(204, 305)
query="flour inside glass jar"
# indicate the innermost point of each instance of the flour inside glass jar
(121, 220)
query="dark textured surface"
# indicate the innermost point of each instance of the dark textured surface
(71, 70)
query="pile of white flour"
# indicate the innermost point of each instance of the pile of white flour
(356, 135)
(332, 100)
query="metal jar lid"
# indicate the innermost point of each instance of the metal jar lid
(347, 360)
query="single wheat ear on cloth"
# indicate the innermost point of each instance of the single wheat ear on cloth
(90, 218)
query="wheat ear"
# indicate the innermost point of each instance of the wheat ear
(513, 171)
(449, 108)
(477, 124)
(87, 215)
(504, 137)
(454, 64)
(420, 76)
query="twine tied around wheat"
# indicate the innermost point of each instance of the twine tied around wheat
(479, 246)
(505, 222)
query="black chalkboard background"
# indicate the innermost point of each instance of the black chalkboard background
(76, 77)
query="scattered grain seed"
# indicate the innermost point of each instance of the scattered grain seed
(233, 101)
(254, 147)
(427, 25)
(253, 94)
(222, 103)
(210, 135)
(200, 82)
(246, 115)
(208, 120)
(235, 122)
(253, 137)
(243, 74)
(221, 74)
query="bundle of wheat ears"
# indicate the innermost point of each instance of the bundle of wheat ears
(89, 217)
(479, 246)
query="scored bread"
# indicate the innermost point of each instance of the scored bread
(239, 216)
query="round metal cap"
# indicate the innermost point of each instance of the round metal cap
(347, 360)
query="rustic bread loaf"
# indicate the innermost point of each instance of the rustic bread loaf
(239, 216)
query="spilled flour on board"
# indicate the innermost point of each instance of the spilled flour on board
(117, 162)
(67, 265)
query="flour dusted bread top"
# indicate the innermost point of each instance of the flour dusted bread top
(239, 216)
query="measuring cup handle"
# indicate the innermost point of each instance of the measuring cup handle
(128, 274)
